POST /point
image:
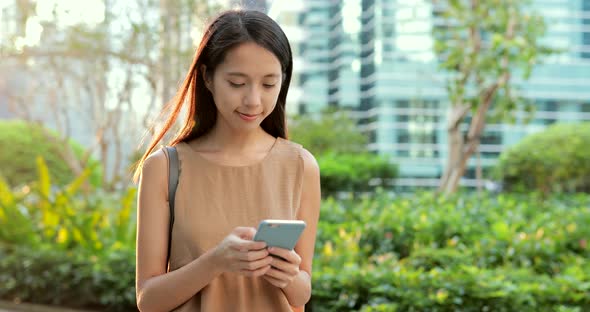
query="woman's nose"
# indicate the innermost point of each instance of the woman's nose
(253, 97)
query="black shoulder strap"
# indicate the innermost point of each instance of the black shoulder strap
(173, 173)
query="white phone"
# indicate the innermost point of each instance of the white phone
(280, 233)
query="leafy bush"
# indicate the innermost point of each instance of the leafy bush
(63, 246)
(341, 150)
(554, 160)
(21, 143)
(373, 253)
(65, 217)
(329, 132)
(354, 172)
(72, 278)
(460, 253)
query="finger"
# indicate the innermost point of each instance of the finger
(279, 275)
(247, 245)
(275, 282)
(279, 263)
(255, 265)
(286, 267)
(253, 255)
(255, 273)
(245, 232)
(288, 255)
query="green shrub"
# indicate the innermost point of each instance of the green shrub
(554, 160)
(66, 217)
(341, 150)
(459, 253)
(65, 246)
(508, 252)
(21, 143)
(354, 172)
(331, 131)
(73, 278)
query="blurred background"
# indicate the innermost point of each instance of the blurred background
(452, 136)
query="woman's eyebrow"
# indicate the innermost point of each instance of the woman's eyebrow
(238, 74)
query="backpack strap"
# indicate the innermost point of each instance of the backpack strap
(173, 174)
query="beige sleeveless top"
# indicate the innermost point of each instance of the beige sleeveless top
(212, 199)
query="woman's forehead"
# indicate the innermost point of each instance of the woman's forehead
(250, 59)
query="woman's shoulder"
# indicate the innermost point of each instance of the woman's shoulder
(304, 155)
(154, 173)
(156, 162)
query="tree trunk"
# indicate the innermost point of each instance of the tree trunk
(455, 143)
(464, 150)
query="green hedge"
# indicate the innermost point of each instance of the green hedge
(354, 172)
(60, 245)
(341, 149)
(21, 143)
(378, 253)
(73, 278)
(554, 160)
(461, 253)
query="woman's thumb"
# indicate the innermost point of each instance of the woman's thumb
(245, 232)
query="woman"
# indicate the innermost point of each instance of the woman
(236, 168)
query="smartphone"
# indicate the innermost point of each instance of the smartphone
(280, 233)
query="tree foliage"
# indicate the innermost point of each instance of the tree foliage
(482, 45)
(330, 131)
(105, 80)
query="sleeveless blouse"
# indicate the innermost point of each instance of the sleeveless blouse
(212, 199)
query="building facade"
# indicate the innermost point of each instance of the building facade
(376, 57)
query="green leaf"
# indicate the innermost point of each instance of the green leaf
(6, 196)
(501, 230)
(44, 179)
(75, 185)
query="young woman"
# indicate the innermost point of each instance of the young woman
(236, 168)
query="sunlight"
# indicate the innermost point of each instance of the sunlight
(71, 12)
(33, 32)
(65, 13)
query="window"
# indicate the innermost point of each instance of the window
(403, 136)
(491, 137)
(421, 128)
(403, 104)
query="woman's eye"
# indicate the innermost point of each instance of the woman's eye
(268, 85)
(235, 85)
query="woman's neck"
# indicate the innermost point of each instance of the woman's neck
(220, 139)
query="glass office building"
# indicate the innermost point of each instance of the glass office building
(376, 57)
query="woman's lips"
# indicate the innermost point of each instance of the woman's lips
(248, 117)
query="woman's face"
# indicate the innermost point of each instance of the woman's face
(245, 86)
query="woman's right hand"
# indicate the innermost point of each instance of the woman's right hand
(238, 253)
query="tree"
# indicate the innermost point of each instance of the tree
(342, 153)
(331, 131)
(110, 77)
(482, 45)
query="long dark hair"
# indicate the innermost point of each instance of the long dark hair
(228, 30)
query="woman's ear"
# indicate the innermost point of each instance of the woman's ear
(206, 77)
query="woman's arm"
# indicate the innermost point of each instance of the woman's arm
(295, 280)
(155, 290)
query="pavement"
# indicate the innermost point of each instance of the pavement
(27, 307)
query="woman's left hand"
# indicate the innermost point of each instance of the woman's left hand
(283, 271)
